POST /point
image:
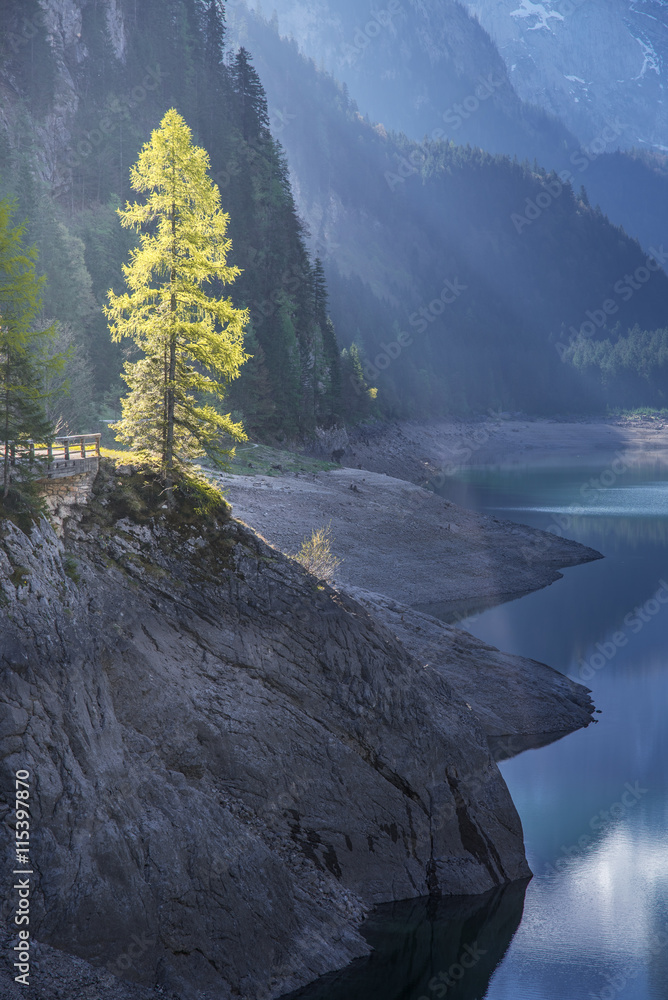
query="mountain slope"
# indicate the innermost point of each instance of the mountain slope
(419, 68)
(457, 271)
(587, 62)
(428, 69)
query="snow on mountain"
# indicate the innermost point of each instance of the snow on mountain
(589, 62)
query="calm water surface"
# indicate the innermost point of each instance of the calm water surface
(594, 920)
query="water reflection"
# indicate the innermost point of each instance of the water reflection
(594, 805)
(631, 532)
(428, 949)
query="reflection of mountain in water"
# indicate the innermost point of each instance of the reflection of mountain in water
(420, 940)
(632, 531)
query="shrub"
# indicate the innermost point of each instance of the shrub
(316, 554)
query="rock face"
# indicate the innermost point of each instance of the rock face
(559, 55)
(230, 761)
(520, 703)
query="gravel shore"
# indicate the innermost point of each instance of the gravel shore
(403, 541)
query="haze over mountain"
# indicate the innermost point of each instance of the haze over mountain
(459, 280)
(587, 62)
(395, 219)
(430, 69)
(411, 65)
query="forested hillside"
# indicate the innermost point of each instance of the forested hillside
(430, 69)
(398, 220)
(458, 281)
(103, 82)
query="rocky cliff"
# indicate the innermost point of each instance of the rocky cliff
(559, 54)
(230, 761)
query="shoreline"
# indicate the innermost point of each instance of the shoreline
(400, 540)
(421, 451)
(418, 563)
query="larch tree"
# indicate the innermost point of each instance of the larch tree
(191, 341)
(24, 362)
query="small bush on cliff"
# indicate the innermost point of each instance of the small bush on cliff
(316, 554)
(24, 505)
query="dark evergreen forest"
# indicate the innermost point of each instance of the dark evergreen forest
(435, 297)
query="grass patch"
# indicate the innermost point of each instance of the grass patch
(122, 457)
(143, 496)
(640, 413)
(261, 460)
(71, 567)
(19, 576)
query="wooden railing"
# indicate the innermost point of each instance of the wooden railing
(65, 456)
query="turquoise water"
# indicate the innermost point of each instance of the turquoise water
(594, 806)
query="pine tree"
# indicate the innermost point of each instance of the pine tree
(23, 364)
(357, 395)
(214, 28)
(328, 366)
(253, 115)
(192, 342)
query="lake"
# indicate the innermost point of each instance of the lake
(593, 922)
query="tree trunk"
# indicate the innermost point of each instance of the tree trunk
(169, 448)
(5, 469)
